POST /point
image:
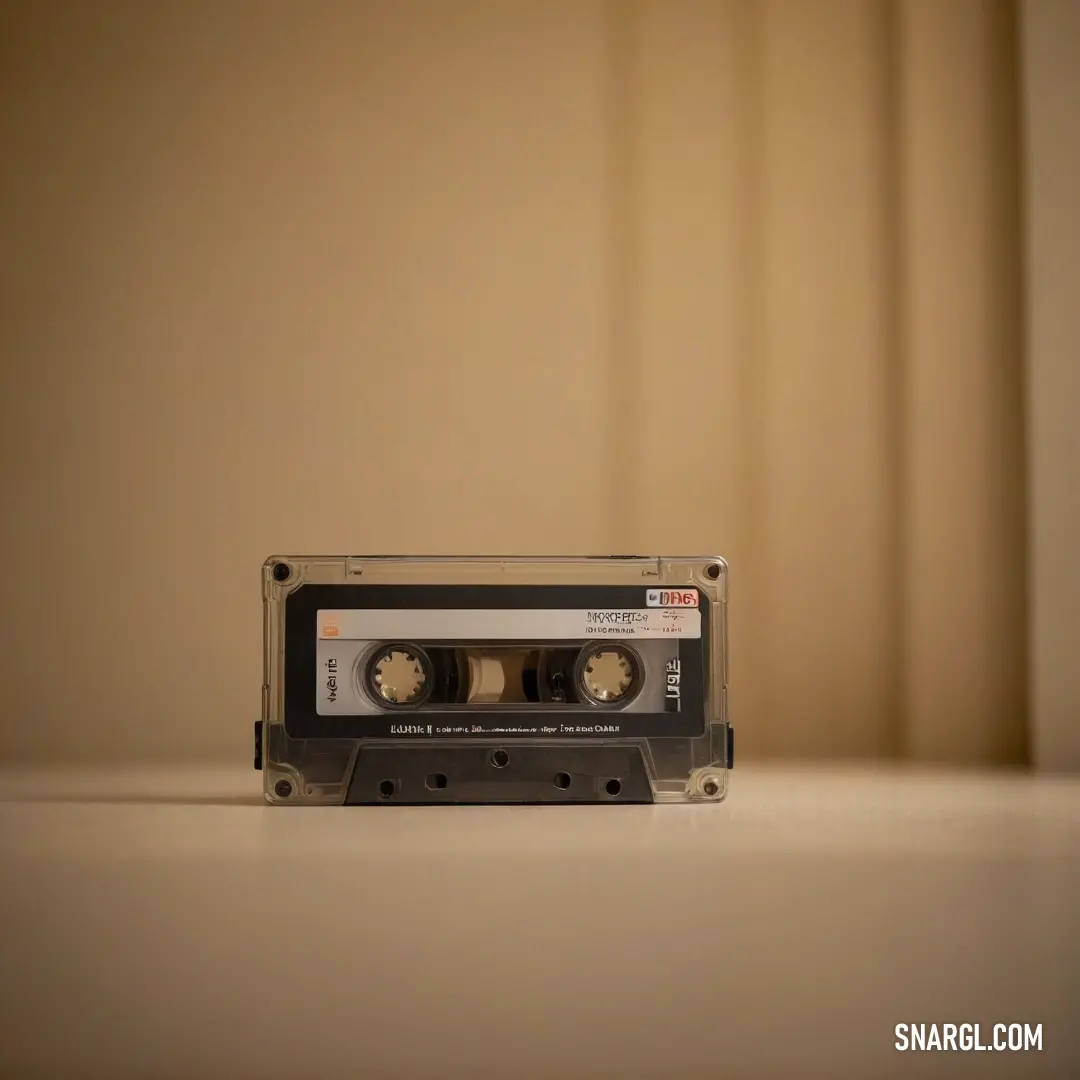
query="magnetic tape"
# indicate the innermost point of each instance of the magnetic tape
(491, 679)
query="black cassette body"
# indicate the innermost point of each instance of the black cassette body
(410, 680)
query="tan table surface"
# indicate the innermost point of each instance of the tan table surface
(168, 924)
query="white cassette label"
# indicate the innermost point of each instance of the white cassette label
(538, 624)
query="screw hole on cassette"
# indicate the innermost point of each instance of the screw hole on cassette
(562, 780)
(500, 759)
(387, 789)
(283, 789)
(711, 786)
(282, 571)
(613, 787)
(436, 781)
(712, 570)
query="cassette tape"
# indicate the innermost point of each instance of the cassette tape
(393, 680)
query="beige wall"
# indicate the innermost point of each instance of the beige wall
(283, 277)
(513, 276)
(1052, 106)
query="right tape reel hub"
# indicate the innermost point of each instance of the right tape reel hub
(608, 674)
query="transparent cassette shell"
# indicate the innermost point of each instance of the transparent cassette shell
(318, 771)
